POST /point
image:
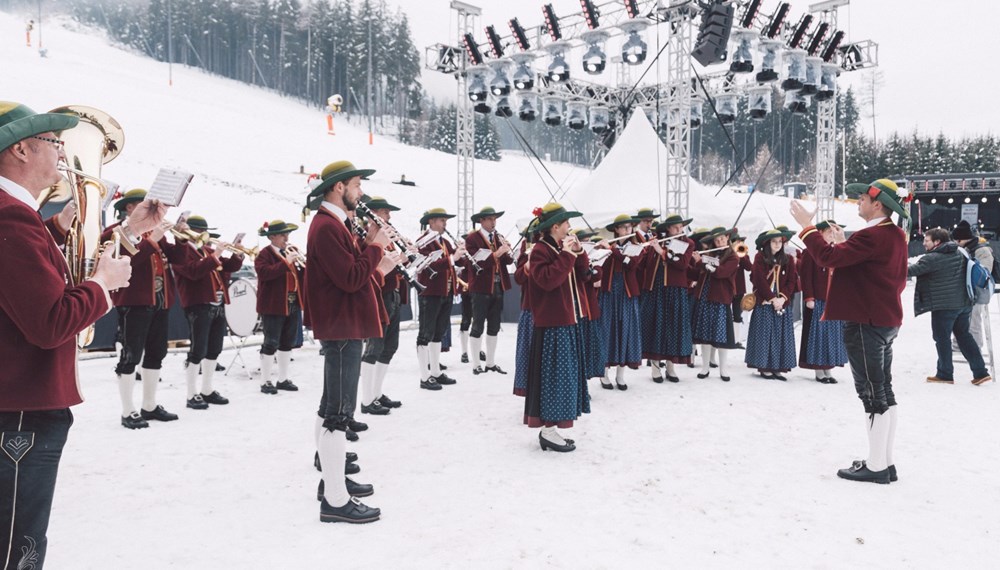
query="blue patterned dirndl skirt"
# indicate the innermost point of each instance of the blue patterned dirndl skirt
(713, 322)
(667, 328)
(822, 341)
(556, 386)
(771, 340)
(525, 323)
(595, 346)
(620, 320)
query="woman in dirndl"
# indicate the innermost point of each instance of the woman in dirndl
(822, 345)
(666, 319)
(524, 322)
(556, 389)
(771, 337)
(594, 342)
(619, 300)
(713, 315)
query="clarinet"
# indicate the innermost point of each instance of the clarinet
(362, 209)
(475, 264)
(400, 267)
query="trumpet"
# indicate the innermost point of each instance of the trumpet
(741, 250)
(198, 239)
(293, 254)
(238, 249)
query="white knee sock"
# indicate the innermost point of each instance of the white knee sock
(820, 374)
(126, 383)
(332, 448)
(550, 434)
(150, 380)
(266, 365)
(423, 359)
(381, 369)
(891, 435)
(878, 437)
(607, 376)
(284, 363)
(670, 369)
(654, 366)
(715, 353)
(464, 335)
(620, 374)
(367, 383)
(191, 377)
(207, 372)
(317, 429)
(491, 350)
(736, 331)
(723, 361)
(477, 346)
(706, 355)
(435, 360)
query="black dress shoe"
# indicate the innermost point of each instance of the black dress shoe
(621, 386)
(465, 358)
(831, 380)
(353, 489)
(134, 421)
(712, 365)
(778, 376)
(388, 402)
(767, 376)
(159, 414)
(287, 385)
(375, 409)
(350, 435)
(496, 369)
(351, 457)
(356, 426)
(725, 378)
(739, 346)
(546, 445)
(316, 462)
(608, 386)
(430, 384)
(892, 474)
(354, 512)
(658, 379)
(351, 469)
(215, 398)
(197, 403)
(478, 370)
(703, 375)
(822, 380)
(442, 367)
(444, 380)
(673, 379)
(860, 472)
(268, 388)
(219, 367)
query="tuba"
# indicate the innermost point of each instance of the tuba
(94, 142)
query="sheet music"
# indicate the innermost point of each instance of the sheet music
(632, 249)
(677, 246)
(483, 254)
(112, 189)
(169, 186)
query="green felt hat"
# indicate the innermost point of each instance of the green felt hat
(619, 220)
(670, 220)
(276, 227)
(699, 233)
(130, 197)
(714, 233)
(827, 223)
(530, 229)
(551, 214)
(18, 122)
(584, 234)
(334, 172)
(646, 213)
(885, 191)
(768, 235)
(434, 213)
(379, 203)
(199, 224)
(487, 211)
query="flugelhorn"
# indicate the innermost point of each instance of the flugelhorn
(741, 249)
(293, 254)
(250, 252)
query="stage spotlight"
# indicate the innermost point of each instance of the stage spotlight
(828, 82)
(759, 102)
(524, 76)
(553, 113)
(742, 54)
(769, 50)
(478, 92)
(527, 109)
(750, 14)
(967, 199)
(590, 14)
(773, 29)
(814, 73)
(552, 22)
(933, 200)
(725, 104)
(795, 103)
(493, 39)
(632, 8)
(558, 70)
(520, 37)
(951, 200)
(697, 106)
(576, 115)
(594, 59)
(475, 56)
(796, 62)
(831, 48)
(634, 48)
(599, 119)
(983, 200)
(817, 38)
(500, 84)
(800, 31)
(503, 108)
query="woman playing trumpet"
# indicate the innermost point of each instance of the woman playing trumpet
(771, 338)
(279, 287)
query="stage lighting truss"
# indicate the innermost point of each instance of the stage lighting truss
(697, 111)
(599, 119)
(769, 50)
(726, 105)
(742, 52)
(595, 59)
(576, 115)
(500, 84)
(552, 112)
(795, 103)
(759, 102)
(558, 71)
(527, 107)
(634, 48)
(795, 64)
(524, 75)
(814, 73)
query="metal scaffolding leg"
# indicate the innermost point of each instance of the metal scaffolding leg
(679, 88)
(826, 157)
(465, 130)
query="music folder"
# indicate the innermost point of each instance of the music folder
(169, 186)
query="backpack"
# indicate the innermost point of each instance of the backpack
(979, 283)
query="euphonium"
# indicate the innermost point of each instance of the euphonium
(94, 142)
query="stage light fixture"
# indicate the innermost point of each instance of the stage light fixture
(595, 59)
(520, 37)
(552, 22)
(831, 48)
(553, 111)
(524, 76)
(632, 8)
(697, 111)
(558, 70)
(472, 50)
(796, 65)
(500, 83)
(773, 29)
(576, 115)
(726, 105)
(817, 38)
(590, 14)
(634, 49)
(599, 119)
(951, 200)
(759, 102)
(477, 90)
(814, 73)
(983, 200)
(828, 82)
(750, 14)
(769, 49)
(795, 103)
(933, 200)
(503, 108)
(493, 39)
(800, 31)
(742, 51)
(967, 199)
(527, 108)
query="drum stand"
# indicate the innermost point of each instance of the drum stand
(239, 348)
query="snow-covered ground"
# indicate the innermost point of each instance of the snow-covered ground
(698, 474)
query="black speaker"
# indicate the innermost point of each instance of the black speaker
(713, 34)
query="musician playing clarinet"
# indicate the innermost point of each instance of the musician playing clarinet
(441, 285)
(487, 287)
(279, 303)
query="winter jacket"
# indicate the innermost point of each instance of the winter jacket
(982, 252)
(940, 277)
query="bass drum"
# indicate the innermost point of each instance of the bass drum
(241, 314)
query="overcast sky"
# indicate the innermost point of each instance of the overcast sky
(938, 60)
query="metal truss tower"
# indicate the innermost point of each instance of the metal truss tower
(465, 124)
(826, 157)
(678, 104)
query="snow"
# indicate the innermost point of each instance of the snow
(698, 474)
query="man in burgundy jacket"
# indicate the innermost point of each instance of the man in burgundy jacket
(143, 308)
(441, 286)
(202, 276)
(279, 292)
(869, 274)
(343, 311)
(41, 312)
(487, 287)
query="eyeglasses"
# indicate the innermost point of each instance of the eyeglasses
(58, 143)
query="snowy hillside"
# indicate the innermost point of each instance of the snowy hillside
(700, 474)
